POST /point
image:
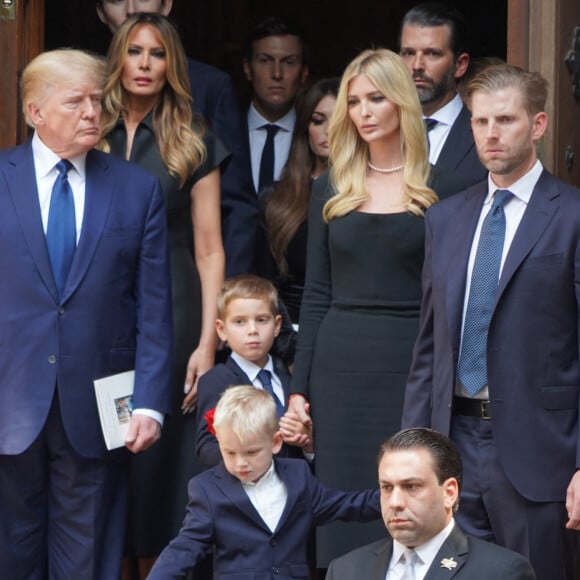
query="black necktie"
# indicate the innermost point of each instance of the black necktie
(430, 124)
(266, 380)
(267, 161)
(61, 229)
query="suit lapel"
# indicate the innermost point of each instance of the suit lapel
(284, 379)
(465, 222)
(541, 208)
(241, 376)
(458, 143)
(288, 476)
(379, 565)
(232, 488)
(21, 181)
(450, 558)
(99, 190)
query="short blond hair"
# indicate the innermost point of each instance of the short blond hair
(532, 85)
(247, 286)
(51, 68)
(246, 411)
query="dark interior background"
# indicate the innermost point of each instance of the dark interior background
(214, 31)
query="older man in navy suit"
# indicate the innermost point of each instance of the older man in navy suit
(433, 44)
(85, 294)
(214, 99)
(420, 477)
(496, 364)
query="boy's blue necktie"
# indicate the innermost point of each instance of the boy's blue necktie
(266, 380)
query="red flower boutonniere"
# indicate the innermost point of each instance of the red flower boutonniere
(209, 418)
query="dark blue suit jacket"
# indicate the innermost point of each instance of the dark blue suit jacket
(459, 155)
(114, 315)
(533, 341)
(210, 387)
(466, 558)
(213, 97)
(221, 514)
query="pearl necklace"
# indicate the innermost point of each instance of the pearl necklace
(386, 170)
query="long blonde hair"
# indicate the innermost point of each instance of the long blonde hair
(349, 154)
(182, 148)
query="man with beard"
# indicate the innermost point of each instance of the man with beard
(496, 365)
(419, 478)
(433, 44)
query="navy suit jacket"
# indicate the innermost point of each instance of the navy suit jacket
(115, 312)
(533, 357)
(466, 558)
(213, 97)
(220, 513)
(211, 385)
(459, 154)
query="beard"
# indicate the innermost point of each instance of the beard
(435, 92)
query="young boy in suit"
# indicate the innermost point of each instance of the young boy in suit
(249, 321)
(256, 510)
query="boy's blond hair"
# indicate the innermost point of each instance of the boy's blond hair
(246, 411)
(247, 286)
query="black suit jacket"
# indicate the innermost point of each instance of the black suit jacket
(459, 155)
(211, 385)
(213, 98)
(460, 557)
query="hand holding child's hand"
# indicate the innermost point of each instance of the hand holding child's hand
(296, 432)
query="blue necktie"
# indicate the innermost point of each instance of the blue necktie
(472, 366)
(61, 229)
(267, 161)
(266, 380)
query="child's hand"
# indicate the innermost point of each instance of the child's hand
(296, 432)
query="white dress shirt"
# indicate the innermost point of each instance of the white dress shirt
(252, 371)
(257, 138)
(445, 117)
(425, 555)
(268, 495)
(514, 211)
(45, 161)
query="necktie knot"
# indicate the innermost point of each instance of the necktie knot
(430, 124)
(271, 130)
(63, 166)
(500, 198)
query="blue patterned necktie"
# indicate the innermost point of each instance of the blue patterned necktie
(266, 380)
(267, 160)
(472, 366)
(61, 228)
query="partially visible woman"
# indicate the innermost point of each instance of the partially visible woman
(285, 209)
(147, 119)
(360, 310)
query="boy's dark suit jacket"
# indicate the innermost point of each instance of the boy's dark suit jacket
(211, 385)
(220, 513)
(465, 558)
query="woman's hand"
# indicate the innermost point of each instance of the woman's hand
(200, 361)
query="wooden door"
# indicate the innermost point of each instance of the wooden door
(21, 38)
(540, 35)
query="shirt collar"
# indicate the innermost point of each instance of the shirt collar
(250, 368)
(45, 158)
(429, 549)
(522, 188)
(448, 114)
(286, 123)
(270, 477)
